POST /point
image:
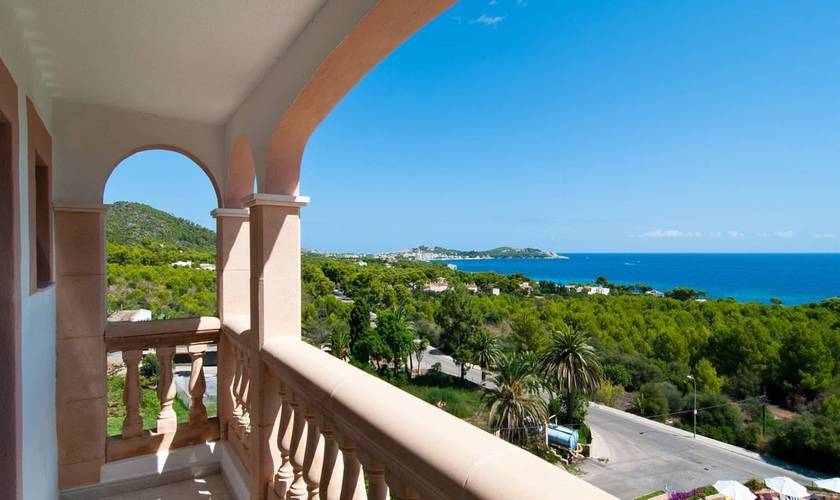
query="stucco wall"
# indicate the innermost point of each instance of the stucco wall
(40, 458)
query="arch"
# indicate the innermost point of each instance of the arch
(381, 31)
(241, 173)
(165, 147)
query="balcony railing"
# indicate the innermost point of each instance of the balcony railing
(132, 339)
(339, 425)
(325, 429)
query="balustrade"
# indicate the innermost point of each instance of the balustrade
(343, 434)
(162, 337)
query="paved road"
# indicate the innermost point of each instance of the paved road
(643, 456)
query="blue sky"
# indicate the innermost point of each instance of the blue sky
(575, 126)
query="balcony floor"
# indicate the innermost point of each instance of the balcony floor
(203, 488)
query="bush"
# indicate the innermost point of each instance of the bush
(609, 394)
(809, 440)
(150, 366)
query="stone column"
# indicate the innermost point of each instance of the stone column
(275, 265)
(275, 302)
(81, 390)
(233, 296)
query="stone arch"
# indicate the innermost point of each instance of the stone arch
(381, 31)
(166, 147)
(241, 173)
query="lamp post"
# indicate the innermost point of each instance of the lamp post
(691, 377)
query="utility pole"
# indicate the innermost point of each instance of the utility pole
(764, 413)
(691, 377)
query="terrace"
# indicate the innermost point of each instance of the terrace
(239, 89)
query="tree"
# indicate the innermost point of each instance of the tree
(370, 347)
(420, 346)
(708, 380)
(602, 281)
(515, 404)
(528, 332)
(571, 363)
(486, 351)
(398, 334)
(459, 320)
(339, 343)
(359, 320)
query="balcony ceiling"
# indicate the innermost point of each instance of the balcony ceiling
(193, 59)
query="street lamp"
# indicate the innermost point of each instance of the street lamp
(691, 377)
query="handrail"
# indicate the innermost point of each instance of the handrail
(423, 450)
(123, 335)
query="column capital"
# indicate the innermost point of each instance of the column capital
(277, 200)
(242, 213)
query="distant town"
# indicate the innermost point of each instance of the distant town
(426, 253)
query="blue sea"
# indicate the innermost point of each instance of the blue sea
(792, 278)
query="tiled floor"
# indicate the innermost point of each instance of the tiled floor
(204, 488)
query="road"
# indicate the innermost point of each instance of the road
(642, 456)
(633, 455)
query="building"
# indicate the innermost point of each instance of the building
(131, 315)
(437, 286)
(452, 267)
(361, 263)
(655, 293)
(495, 291)
(182, 263)
(526, 287)
(238, 87)
(472, 287)
(207, 267)
(597, 290)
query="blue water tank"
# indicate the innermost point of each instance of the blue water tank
(562, 436)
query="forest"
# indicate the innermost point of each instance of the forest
(741, 355)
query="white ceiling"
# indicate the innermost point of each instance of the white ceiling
(194, 59)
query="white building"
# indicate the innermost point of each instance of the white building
(207, 267)
(597, 290)
(182, 263)
(131, 315)
(472, 287)
(437, 286)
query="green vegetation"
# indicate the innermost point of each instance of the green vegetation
(646, 346)
(650, 495)
(493, 253)
(149, 402)
(134, 223)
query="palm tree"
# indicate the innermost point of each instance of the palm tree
(485, 351)
(514, 403)
(420, 346)
(572, 364)
(339, 343)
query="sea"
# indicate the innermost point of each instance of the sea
(792, 278)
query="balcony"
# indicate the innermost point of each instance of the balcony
(295, 422)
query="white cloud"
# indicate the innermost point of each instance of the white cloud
(669, 233)
(486, 20)
(735, 235)
(493, 2)
(521, 3)
(777, 234)
(826, 236)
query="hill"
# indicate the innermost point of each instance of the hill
(440, 253)
(132, 223)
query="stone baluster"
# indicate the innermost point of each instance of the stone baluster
(400, 489)
(313, 459)
(132, 424)
(167, 421)
(352, 481)
(377, 487)
(332, 468)
(236, 414)
(198, 412)
(245, 397)
(297, 490)
(285, 474)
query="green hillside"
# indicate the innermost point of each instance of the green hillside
(132, 223)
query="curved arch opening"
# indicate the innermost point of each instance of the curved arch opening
(161, 243)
